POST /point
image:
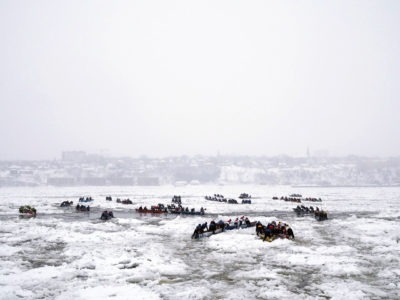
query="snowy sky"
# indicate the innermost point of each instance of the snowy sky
(199, 77)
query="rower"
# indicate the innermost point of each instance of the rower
(212, 226)
(221, 224)
(204, 226)
(290, 233)
(104, 215)
(259, 228)
(197, 231)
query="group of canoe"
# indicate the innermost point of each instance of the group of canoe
(106, 215)
(78, 207)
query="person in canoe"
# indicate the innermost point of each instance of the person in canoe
(259, 228)
(212, 227)
(289, 233)
(106, 215)
(221, 224)
(197, 231)
(204, 227)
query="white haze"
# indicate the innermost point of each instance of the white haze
(199, 77)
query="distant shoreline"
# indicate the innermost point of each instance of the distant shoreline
(205, 184)
(343, 186)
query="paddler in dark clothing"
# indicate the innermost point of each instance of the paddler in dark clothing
(196, 232)
(221, 224)
(290, 233)
(104, 215)
(267, 232)
(241, 221)
(270, 227)
(259, 228)
(212, 226)
(204, 227)
(273, 229)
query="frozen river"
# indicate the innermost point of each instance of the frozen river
(62, 254)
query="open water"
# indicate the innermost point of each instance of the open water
(63, 254)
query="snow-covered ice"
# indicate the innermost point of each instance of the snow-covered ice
(62, 254)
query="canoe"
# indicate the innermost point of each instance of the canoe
(227, 227)
(245, 196)
(207, 233)
(150, 211)
(244, 225)
(81, 200)
(303, 211)
(321, 217)
(27, 211)
(27, 215)
(186, 212)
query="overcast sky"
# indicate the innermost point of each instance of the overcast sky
(162, 78)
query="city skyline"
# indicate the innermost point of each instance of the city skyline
(78, 168)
